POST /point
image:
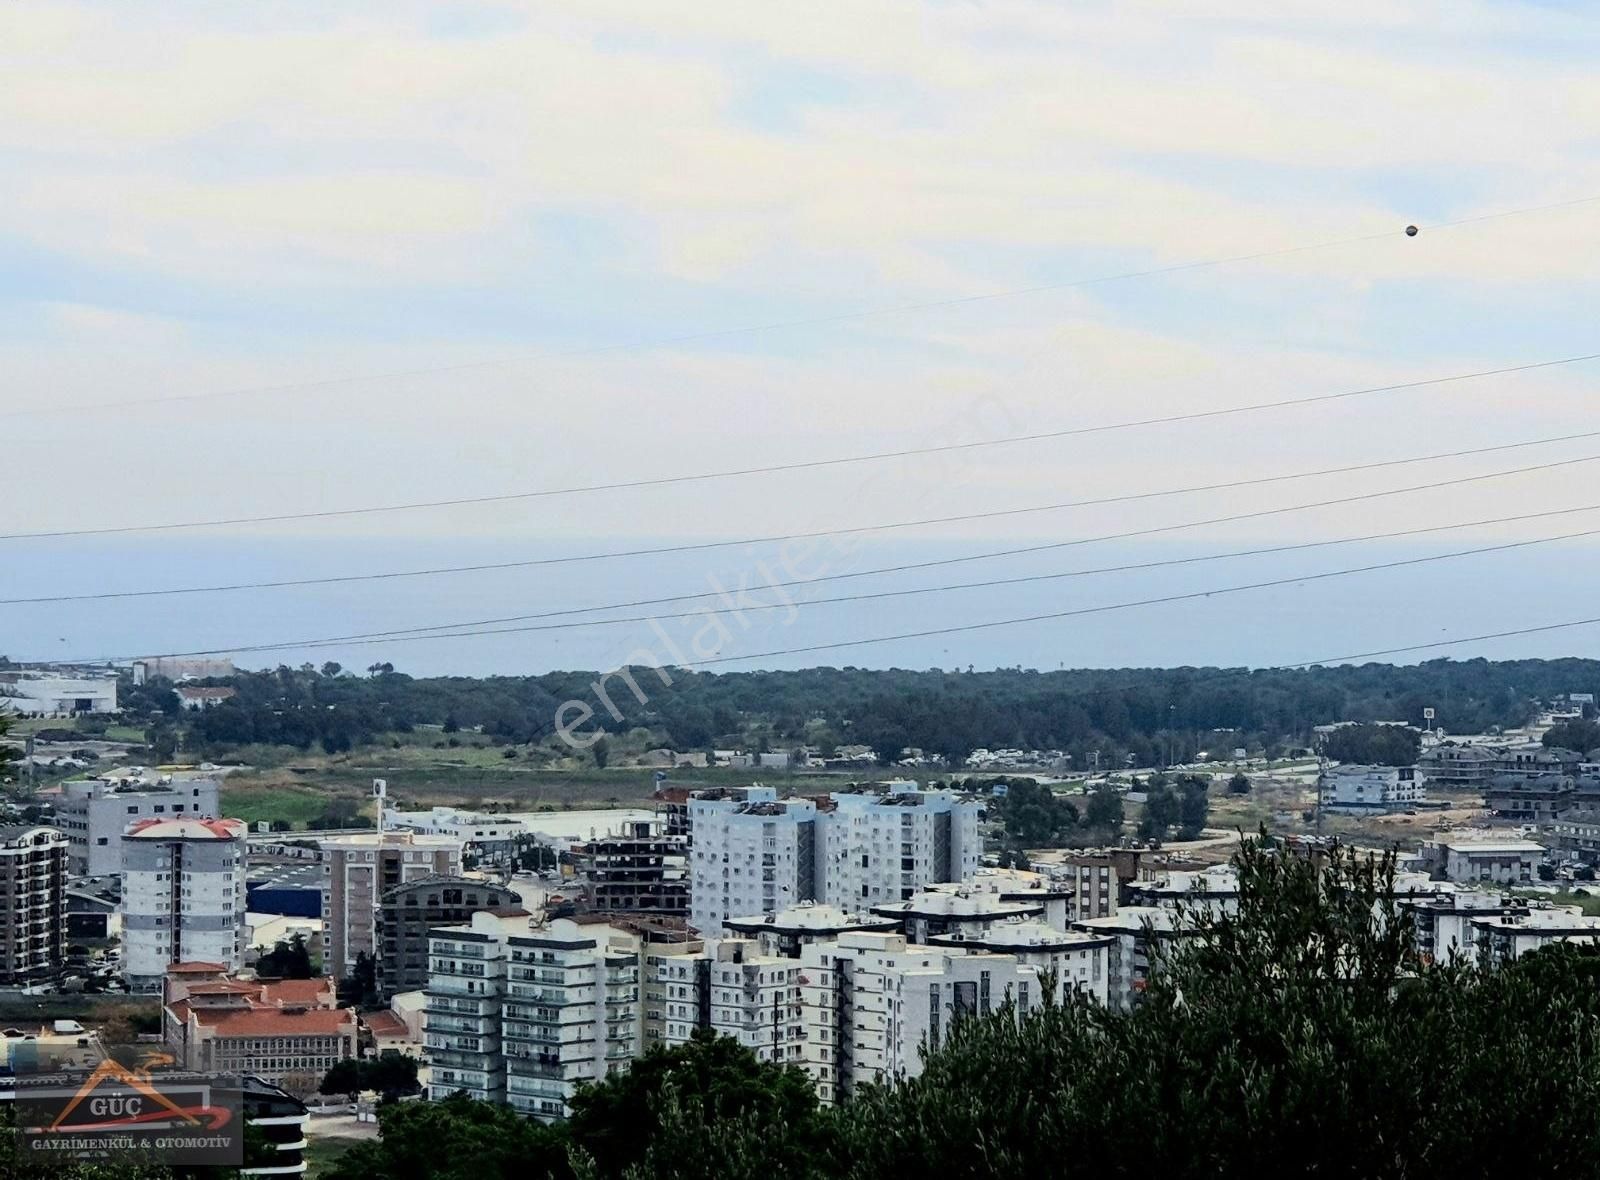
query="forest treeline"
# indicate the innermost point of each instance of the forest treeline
(1154, 714)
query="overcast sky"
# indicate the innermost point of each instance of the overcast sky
(526, 207)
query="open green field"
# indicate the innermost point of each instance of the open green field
(303, 788)
(322, 1154)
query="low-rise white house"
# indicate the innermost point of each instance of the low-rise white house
(1475, 860)
(1364, 790)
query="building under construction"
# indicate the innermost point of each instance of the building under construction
(641, 869)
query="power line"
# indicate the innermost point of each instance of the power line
(810, 464)
(781, 325)
(1395, 651)
(698, 546)
(1076, 612)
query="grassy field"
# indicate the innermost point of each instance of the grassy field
(322, 1154)
(301, 789)
(118, 1018)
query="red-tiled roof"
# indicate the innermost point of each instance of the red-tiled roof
(223, 987)
(386, 1024)
(296, 991)
(188, 829)
(257, 1022)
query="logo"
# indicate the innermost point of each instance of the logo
(116, 1112)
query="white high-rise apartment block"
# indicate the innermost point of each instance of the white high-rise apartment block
(884, 847)
(522, 1014)
(872, 1001)
(736, 991)
(182, 896)
(753, 853)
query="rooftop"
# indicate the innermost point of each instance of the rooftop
(187, 829)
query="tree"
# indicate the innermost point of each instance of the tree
(360, 987)
(163, 742)
(1374, 745)
(391, 1074)
(1239, 784)
(1104, 809)
(1581, 736)
(1161, 808)
(1194, 804)
(8, 753)
(1226, 1065)
(601, 751)
(1034, 815)
(332, 668)
(451, 725)
(457, 1139)
(286, 960)
(712, 1081)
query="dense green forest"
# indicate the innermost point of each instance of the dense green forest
(1154, 714)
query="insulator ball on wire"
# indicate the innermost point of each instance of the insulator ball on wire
(1411, 231)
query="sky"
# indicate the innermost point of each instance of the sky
(296, 258)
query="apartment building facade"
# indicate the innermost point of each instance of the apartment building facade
(871, 1001)
(733, 989)
(183, 896)
(407, 913)
(639, 869)
(357, 870)
(752, 853)
(1366, 790)
(93, 813)
(885, 846)
(523, 1014)
(33, 894)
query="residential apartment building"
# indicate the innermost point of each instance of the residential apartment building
(1573, 834)
(357, 870)
(408, 912)
(33, 902)
(787, 931)
(287, 1032)
(956, 909)
(183, 896)
(1502, 937)
(640, 869)
(752, 853)
(1472, 860)
(871, 1001)
(1140, 934)
(1366, 790)
(1473, 764)
(1077, 961)
(523, 1014)
(95, 812)
(1541, 798)
(733, 989)
(882, 846)
(1442, 922)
